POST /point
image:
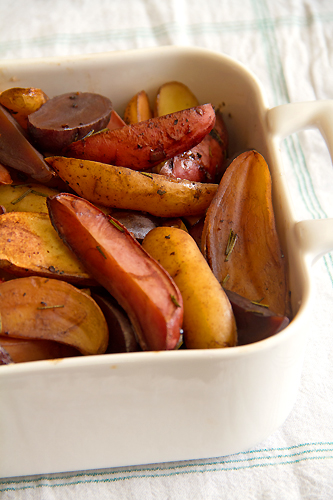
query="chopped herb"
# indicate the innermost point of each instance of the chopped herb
(258, 303)
(51, 307)
(147, 175)
(174, 300)
(255, 311)
(101, 251)
(87, 135)
(117, 225)
(102, 131)
(160, 192)
(225, 279)
(231, 244)
(22, 196)
(38, 193)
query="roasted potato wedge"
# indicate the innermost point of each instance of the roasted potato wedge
(239, 238)
(173, 96)
(143, 145)
(29, 245)
(21, 102)
(119, 263)
(138, 109)
(52, 310)
(124, 188)
(208, 318)
(17, 152)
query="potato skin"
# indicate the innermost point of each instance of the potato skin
(208, 318)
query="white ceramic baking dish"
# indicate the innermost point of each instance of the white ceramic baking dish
(125, 409)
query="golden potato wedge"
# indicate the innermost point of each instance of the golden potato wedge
(208, 318)
(25, 197)
(29, 245)
(138, 109)
(121, 187)
(21, 102)
(173, 96)
(52, 310)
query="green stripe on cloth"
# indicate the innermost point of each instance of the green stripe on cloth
(254, 459)
(265, 23)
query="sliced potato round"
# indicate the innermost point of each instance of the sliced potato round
(67, 118)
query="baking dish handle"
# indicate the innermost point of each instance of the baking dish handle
(314, 236)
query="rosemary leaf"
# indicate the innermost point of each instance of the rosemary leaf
(50, 307)
(230, 244)
(174, 300)
(23, 195)
(101, 251)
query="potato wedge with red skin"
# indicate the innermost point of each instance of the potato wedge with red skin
(143, 145)
(17, 152)
(239, 238)
(52, 310)
(124, 188)
(119, 263)
(204, 162)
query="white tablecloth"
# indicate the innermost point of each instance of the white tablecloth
(288, 44)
